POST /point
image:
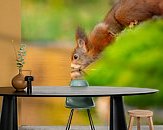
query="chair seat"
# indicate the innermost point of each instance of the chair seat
(140, 113)
(79, 102)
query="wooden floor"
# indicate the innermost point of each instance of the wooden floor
(158, 127)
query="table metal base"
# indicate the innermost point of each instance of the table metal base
(9, 113)
(117, 114)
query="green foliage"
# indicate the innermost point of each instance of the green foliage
(20, 56)
(134, 59)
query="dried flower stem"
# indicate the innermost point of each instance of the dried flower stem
(14, 49)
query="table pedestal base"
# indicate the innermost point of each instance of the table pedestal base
(117, 114)
(9, 113)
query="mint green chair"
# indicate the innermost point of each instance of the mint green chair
(79, 102)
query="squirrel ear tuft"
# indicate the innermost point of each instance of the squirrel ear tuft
(81, 39)
(80, 34)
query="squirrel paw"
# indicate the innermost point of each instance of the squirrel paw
(133, 23)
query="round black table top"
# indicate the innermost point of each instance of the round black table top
(66, 91)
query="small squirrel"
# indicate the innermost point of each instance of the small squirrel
(123, 14)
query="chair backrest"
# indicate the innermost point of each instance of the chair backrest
(79, 83)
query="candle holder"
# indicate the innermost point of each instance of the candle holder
(29, 80)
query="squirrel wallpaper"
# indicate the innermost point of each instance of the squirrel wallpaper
(106, 42)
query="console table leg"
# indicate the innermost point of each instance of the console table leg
(117, 115)
(9, 113)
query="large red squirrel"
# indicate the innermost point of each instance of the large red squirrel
(124, 13)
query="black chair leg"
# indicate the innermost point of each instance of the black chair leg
(69, 120)
(90, 119)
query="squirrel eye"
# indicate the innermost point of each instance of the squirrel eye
(76, 57)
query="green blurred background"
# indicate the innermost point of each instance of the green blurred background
(53, 20)
(134, 59)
